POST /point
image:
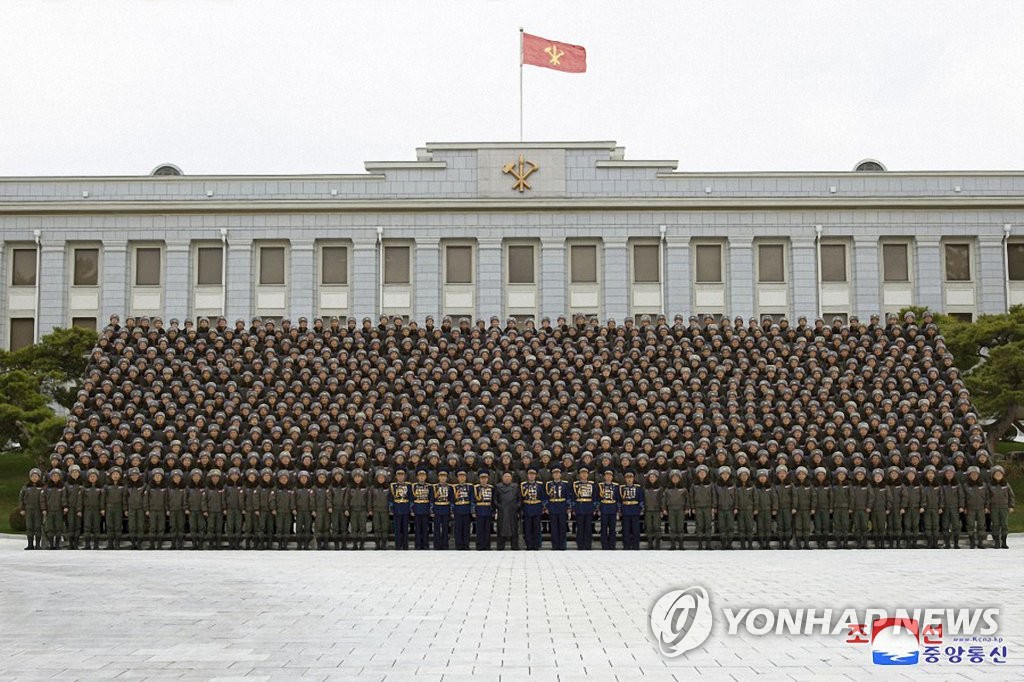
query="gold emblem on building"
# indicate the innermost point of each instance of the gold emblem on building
(520, 170)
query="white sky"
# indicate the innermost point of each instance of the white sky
(242, 86)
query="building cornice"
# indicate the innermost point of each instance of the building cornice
(333, 205)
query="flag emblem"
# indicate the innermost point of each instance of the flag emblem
(554, 53)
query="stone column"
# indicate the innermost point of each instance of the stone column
(115, 284)
(928, 275)
(678, 277)
(616, 278)
(553, 279)
(490, 278)
(742, 276)
(52, 288)
(302, 289)
(865, 277)
(804, 277)
(177, 281)
(365, 286)
(990, 280)
(239, 279)
(426, 283)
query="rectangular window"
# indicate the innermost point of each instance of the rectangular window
(833, 262)
(646, 259)
(210, 265)
(147, 266)
(458, 264)
(23, 330)
(709, 263)
(583, 263)
(87, 267)
(23, 272)
(895, 266)
(958, 262)
(1015, 260)
(272, 265)
(520, 264)
(396, 265)
(963, 317)
(84, 323)
(334, 265)
(771, 265)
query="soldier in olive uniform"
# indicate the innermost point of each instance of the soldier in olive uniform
(861, 497)
(322, 509)
(194, 507)
(766, 507)
(724, 508)
(31, 506)
(213, 508)
(911, 506)
(653, 493)
(842, 507)
(282, 508)
(952, 506)
(675, 502)
(339, 521)
(1000, 504)
(975, 503)
(55, 503)
(176, 501)
(802, 500)
(91, 509)
(304, 495)
(931, 503)
(702, 500)
(135, 505)
(156, 508)
(895, 485)
(378, 503)
(73, 488)
(745, 508)
(879, 507)
(821, 507)
(784, 500)
(113, 507)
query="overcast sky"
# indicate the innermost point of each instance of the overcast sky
(242, 86)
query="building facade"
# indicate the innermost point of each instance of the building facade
(507, 229)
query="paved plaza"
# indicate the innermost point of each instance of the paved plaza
(466, 615)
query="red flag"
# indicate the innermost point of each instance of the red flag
(552, 54)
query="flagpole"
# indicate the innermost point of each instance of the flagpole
(520, 83)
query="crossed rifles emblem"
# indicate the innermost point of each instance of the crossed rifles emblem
(520, 170)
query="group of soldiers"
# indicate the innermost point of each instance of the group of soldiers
(262, 510)
(711, 431)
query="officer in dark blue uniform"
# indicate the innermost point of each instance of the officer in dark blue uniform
(608, 498)
(441, 509)
(483, 510)
(631, 502)
(531, 493)
(559, 494)
(584, 506)
(399, 497)
(421, 492)
(462, 504)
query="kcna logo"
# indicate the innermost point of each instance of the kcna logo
(681, 620)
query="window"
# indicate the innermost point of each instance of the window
(709, 263)
(87, 267)
(23, 272)
(210, 265)
(272, 265)
(771, 263)
(147, 266)
(958, 262)
(1015, 260)
(963, 317)
(458, 264)
(84, 323)
(396, 265)
(895, 267)
(833, 262)
(520, 264)
(23, 331)
(334, 265)
(646, 259)
(583, 263)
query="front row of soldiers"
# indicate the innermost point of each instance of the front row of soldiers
(261, 509)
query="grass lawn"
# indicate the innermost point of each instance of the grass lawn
(14, 469)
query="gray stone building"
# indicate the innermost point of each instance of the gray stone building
(507, 229)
